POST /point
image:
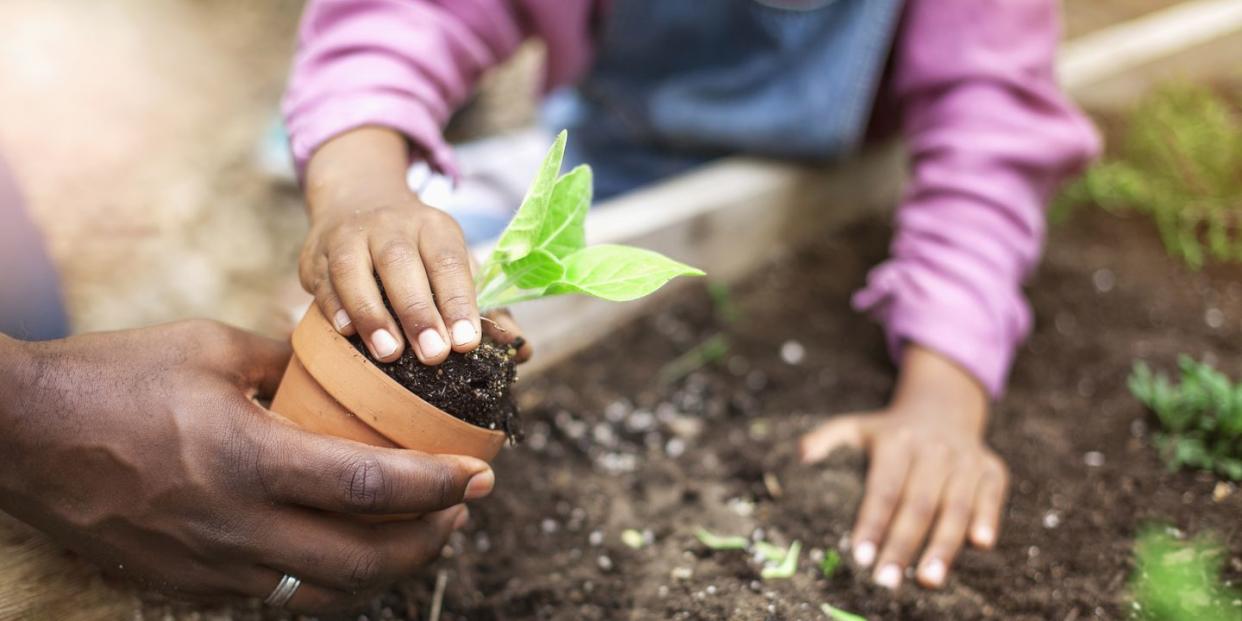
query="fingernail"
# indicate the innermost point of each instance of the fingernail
(480, 485)
(933, 572)
(864, 553)
(341, 320)
(984, 536)
(431, 343)
(463, 332)
(889, 577)
(383, 343)
(460, 521)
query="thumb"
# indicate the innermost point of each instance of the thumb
(848, 430)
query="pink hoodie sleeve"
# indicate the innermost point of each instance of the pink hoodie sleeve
(408, 64)
(990, 138)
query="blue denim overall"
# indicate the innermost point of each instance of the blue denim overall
(677, 83)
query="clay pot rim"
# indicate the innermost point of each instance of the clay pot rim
(315, 327)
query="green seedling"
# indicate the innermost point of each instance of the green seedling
(1178, 164)
(770, 552)
(633, 539)
(1200, 417)
(836, 614)
(719, 542)
(832, 561)
(723, 305)
(787, 567)
(543, 252)
(711, 349)
(1180, 580)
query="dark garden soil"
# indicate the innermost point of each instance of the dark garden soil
(474, 386)
(609, 448)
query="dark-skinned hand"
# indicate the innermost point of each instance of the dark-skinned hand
(146, 452)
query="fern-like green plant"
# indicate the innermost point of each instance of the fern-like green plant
(1201, 417)
(1178, 580)
(1180, 163)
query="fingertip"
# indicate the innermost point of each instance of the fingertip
(888, 576)
(480, 485)
(465, 335)
(932, 573)
(462, 517)
(431, 347)
(864, 553)
(983, 536)
(342, 322)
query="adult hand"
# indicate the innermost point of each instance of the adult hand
(930, 471)
(145, 452)
(364, 221)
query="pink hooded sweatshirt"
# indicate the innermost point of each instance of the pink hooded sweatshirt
(989, 134)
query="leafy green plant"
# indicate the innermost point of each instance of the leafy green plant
(543, 252)
(1178, 580)
(1179, 163)
(1201, 416)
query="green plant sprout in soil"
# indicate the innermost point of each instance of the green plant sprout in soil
(1201, 416)
(542, 253)
(1177, 580)
(1180, 165)
(778, 563)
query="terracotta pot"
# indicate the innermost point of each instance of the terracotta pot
(330, 387)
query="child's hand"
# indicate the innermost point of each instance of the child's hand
(930, 471)
(364, 221)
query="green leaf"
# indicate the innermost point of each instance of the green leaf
(535, 270)
(828, 566)
(836, 614)
(564, 225)
(788, 566)
(618, 273)
(521, 236)
(721, 542)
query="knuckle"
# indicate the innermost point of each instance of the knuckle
(363, 484)
(397, 253)
(342, 264)
(457, 300)
(922, 509)
(416, 306)
(449, 264)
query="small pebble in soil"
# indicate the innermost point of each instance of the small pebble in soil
(711, 589)
(675, 447)
(792, 352)
(1104, 280)
(741, 506)
(1222, 491)
(1094, 459)
(604, 562)
(1032, 552)
(681, 573)
(662, 591)
(1052, 519)
(1214, 318)
(595, 538)
(549, 526)
(640, 420)
(482, 542)
(616, 411)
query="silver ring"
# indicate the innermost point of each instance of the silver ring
(283, 592)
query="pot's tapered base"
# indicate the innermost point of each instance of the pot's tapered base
(303, 401)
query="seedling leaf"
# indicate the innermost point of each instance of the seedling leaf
(828, 566)
(1201, 416)
(770, 552)
(788, 566)
(522, 234)
(836, 614)
(543, 251)
(617, 273)
(719, 542)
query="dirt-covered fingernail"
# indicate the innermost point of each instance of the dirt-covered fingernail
(864, 553)
(431, 343)
(480, 485)
(463, 332)
(340, 320)
(889, 576)
(383, 343)
(933, 572)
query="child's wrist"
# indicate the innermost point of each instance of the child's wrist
(931, 382)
